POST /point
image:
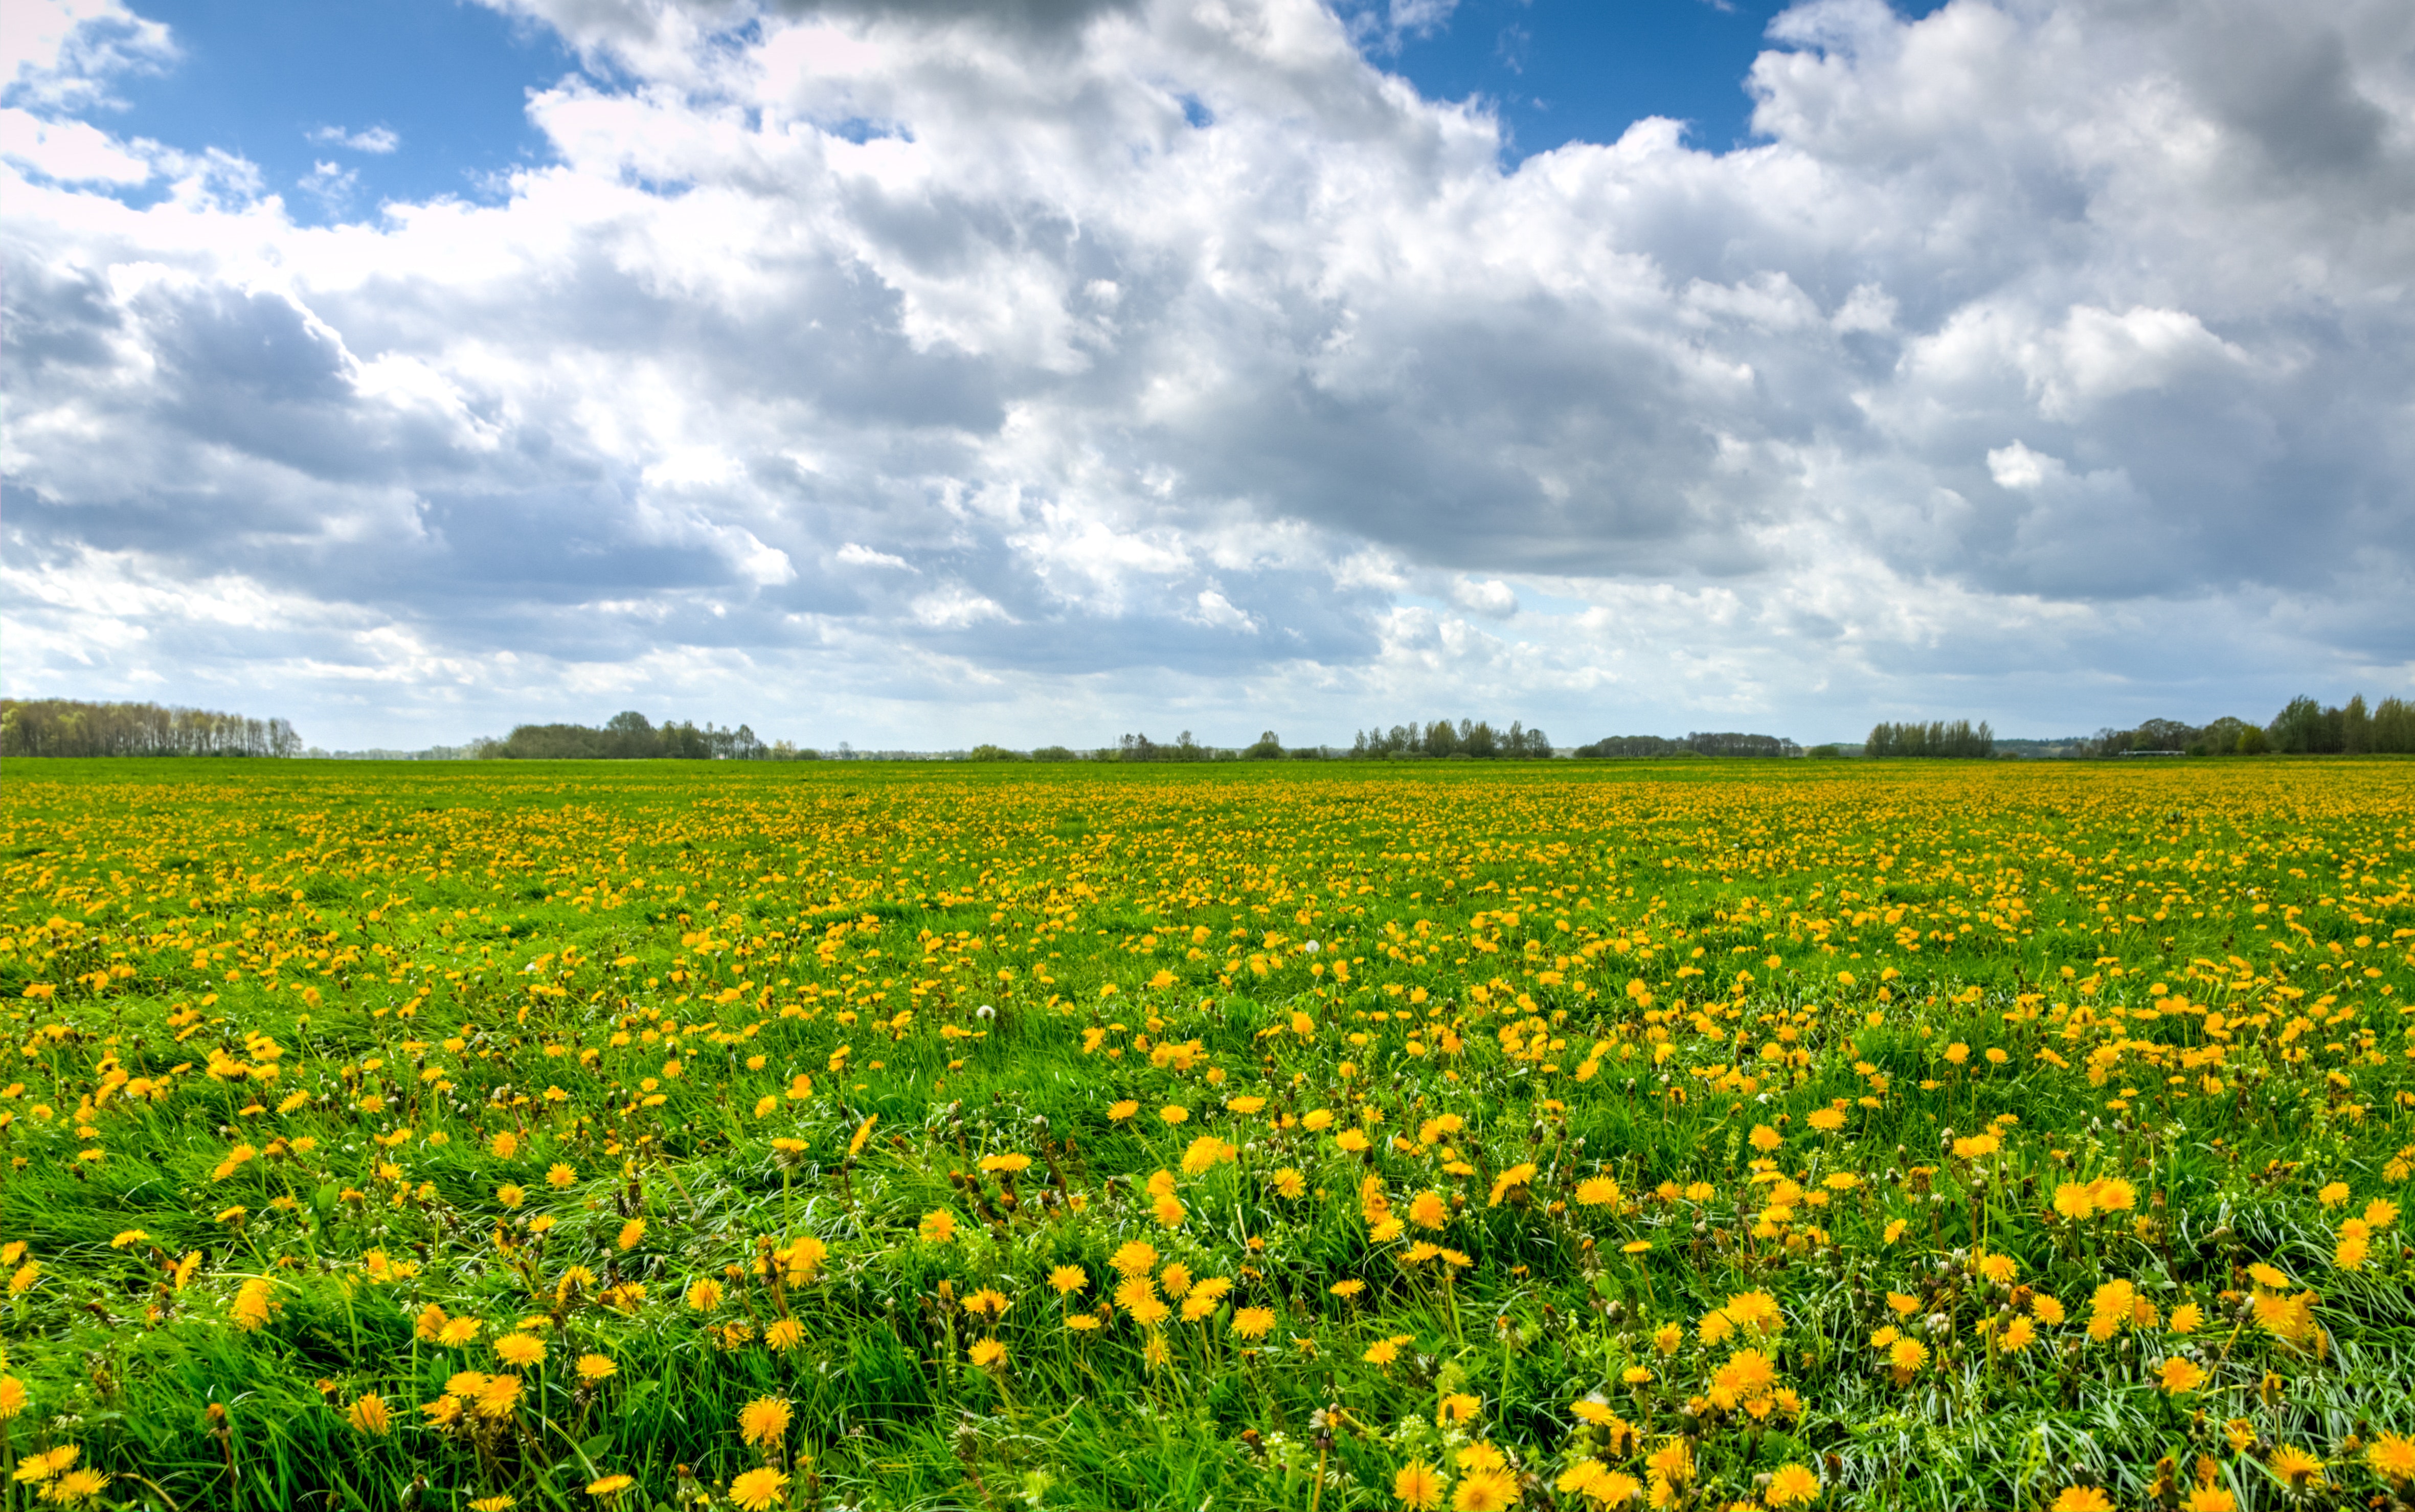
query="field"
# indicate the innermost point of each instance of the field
(1354, 1136)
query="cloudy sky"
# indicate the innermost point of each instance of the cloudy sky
(917, 372)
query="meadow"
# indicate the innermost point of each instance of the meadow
(1694, 1134)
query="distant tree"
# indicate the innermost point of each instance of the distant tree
(1441, 739)
(2253, 741)
(2304, 727)
(1824, 752)
(2393, 726)
(1054, 753)
(1268, 748)
(1476, 739)
(68, 727)
(995, 753)
(2356, 727)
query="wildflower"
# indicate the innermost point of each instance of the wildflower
(610, 1485)
(2019, 1334)
(632, 1233)
(763, 1421)
(1999, 1269)
(2333, 1194)
(130, 1236)
(1117, 1113)
(1905, 1357)
(1485, 1490)
(77, 1486)
(988, 1354)
(2082, 1499)
(1597, 1192)
(2392, 1458)
(2187, 1318)
(13, 1397)
(1456, 1407)
(2298, 1469)
(1790, 1484)
(1428, 1210)
(1253, 1323)
(520, 1350)
(595, 1368)
(986, 1302)
(757, 1490)
(251, 1305)
(368, 1415)
(784, 1335)
(2178, 1375)
(1418, 1486)
(938, 1226)
(1290, 1184)
(1134, 1258)
(2210, 1499)
(2382, 1212)
(559, 1175)
(499, 1396)
(1174, 1113)
(1673, 1462)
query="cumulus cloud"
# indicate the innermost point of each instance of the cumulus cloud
(2045, 360)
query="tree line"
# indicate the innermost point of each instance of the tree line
(1698, 742)
(630, 736)
(71, 728)
(2304, 727)
(1474, 738)
(1935, 739)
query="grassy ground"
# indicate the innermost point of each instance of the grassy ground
(1343, 1136)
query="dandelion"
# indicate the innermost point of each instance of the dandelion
(1253, 1323)
(520, 1350)
(938, 1226)
(1134, 1258)
(2392, 1458)
(763, 1421)
(2177, 1375)
(2082, 1499)
(1174, 1113)
(989, 1354)
(632, 1233)
(13, 1397)
(608, 1486)
(784, 1335)
(1068, 1279)
(2296, 1469)
(1290, 1184)
(704, 1296)
(368, 1415)
(1418, 1486)
(499, 1397)
(593, 1369)
(1791, 1485)
(1484, 1490)
(757, 1490)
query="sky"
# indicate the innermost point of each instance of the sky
(917, 373)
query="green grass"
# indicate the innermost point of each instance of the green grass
(444, 954)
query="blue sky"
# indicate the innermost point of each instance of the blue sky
(292, 84)
(1173, 366)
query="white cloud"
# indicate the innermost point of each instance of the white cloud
(936, 348)
(2018, 467)
(376, 138)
